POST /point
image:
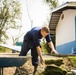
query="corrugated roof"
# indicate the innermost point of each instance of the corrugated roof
(55, 14)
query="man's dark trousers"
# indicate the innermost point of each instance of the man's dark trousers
(26, 46)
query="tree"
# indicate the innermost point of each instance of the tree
(27, 9)
(10, 15)
(53, 3)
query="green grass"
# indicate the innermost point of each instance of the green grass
(73, 60)
(5, 50)
(53, 70)
(57, 62)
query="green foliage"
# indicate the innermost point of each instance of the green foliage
(54, 3)
(56, 62)
(73, 60)
(44, 48)
(10, 15)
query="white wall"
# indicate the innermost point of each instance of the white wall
(65, 30)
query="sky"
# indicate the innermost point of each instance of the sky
(63, 1)
(39, 13)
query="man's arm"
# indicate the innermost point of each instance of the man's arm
(40, 54)
(52, 47)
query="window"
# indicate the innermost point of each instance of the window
(62, 16)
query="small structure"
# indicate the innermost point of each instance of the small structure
(63, 25)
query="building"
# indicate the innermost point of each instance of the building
(63, 25)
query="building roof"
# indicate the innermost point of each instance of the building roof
(55, 14)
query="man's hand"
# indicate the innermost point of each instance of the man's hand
(41, 61)
(52, 47)
(40, 54)
(54, 51)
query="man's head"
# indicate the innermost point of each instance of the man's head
(45, 31)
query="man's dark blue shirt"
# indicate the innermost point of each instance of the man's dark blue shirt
(34, 35)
